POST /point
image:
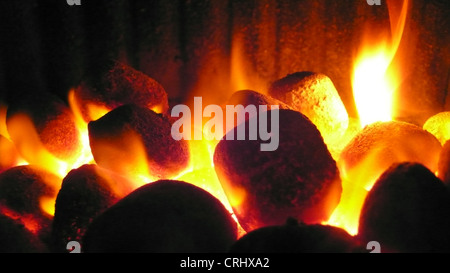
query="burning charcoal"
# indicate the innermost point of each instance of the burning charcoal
(385, 143)
(85, 193)
(132, 140)
(299, 179)
(444, 164)
(439, 126)
(315, 96)
(15, 238)
(27, 195)
(295, 238)
(123, 85)
(43, 123)
(9, 157)
(163, 216)
(407, 210)
(372, 151)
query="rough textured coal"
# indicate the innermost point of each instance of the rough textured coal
(16, 238)
(407, 210)
(53, 122)
(163, 216)
(381, 144)
(297, 238)
(299, 179)
(314, 95)
(85, 193)
(21, 191)
(111, 143)
(121, 85)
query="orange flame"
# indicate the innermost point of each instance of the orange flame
(94, 112)
(34, 152)
(374, 81)
(243, 74)
(3, 130)
(374, 84)
(31, 147)
(201, 172)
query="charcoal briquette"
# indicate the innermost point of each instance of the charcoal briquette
(299, 179)
(407, 210)
(131, 139)
(294, 237)
(165, 216)
(85, 193)
(122, 84)
(22, 192)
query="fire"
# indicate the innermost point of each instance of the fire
(356, 185)
(201, 172)
(136, 169)
(372, 87)
(48, 204)
(32, 149)
(243, 74)
(374, 80)
(3, 130)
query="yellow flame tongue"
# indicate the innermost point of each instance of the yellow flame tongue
(372, 88)
(373, 81)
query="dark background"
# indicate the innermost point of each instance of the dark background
(187, 45)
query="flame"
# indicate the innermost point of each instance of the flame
(34, 152)
(243, 75)
(374, 80)
(372, 87)
(94, 112)
(47, 204)
(136, 167)
(31, 147)
(356, 185)
(201, 172)
(240, 74)
(3, 130)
